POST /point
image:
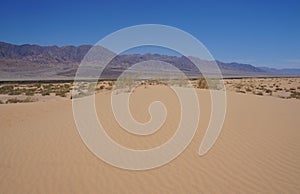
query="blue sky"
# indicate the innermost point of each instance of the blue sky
(263, 33)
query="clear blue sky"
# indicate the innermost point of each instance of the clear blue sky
(263, 33)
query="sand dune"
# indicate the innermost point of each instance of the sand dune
(257, 151)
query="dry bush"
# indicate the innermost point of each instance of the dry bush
(241, 91)
(15, 100)
(6, 89)
(248, 90)
(239, 86)
(258, 93)
(203, 83)
(268, 91)
(295, 95)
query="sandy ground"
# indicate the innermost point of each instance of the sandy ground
(257, 151)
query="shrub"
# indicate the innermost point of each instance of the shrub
(241, 91)
(12, 100)
(15, 100)
(29, 93)
(29, 100)
(61, 94)
(6, 89)
(203, 83)
(239, 86)
(38, 85)
(295, 95)
(248, 90)
(258, 93)
(45, 93)
(15, 92)
(110, 83)
(269, 91)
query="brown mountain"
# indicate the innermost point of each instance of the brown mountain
(53, 62)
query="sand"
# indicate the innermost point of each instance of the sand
(257, 151)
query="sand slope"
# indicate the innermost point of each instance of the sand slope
(257, 151)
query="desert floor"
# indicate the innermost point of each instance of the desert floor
(285, 88)
(257, 151)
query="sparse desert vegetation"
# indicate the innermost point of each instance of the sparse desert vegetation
(285, 88)
(16, 100)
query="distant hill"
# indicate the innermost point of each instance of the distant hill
(53, 62)
(291, 71)
(43, 54)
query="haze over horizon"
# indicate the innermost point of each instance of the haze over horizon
(261, 34)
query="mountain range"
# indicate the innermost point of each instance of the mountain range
(22, 62)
